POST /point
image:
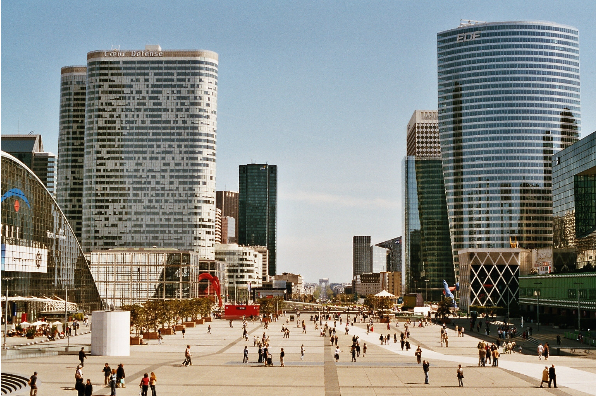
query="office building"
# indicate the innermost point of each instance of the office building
(574, 205)
(508, 98)
(243, 268)
(71, 145)
(29, 149)
(228, 203)
(150, 150)
(126, 276)
(362, 255)
(395, 258)
(41, 257)
(295, 279)
(380, 259)
(428, 258)
(257, 209)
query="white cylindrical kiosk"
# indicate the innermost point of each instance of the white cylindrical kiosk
(110, 333)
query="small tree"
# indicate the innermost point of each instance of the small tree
(268, 305)
(444, 307)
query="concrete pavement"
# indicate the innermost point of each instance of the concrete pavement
(385, 370)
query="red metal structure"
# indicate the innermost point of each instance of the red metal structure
(214, 283)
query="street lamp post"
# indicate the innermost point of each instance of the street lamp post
(66, 317)
(578, 306)
(427, 280)
(6, 312)
(537, 294)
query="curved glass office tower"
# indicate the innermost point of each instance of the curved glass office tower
(508, 98)
(150, 150)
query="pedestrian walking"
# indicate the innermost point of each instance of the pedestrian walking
(78, 375)
(302, 352)
(460, 375)
(144, 384)
(546, 351)
(120, 375)
(353, 353)
(260, 352)
(381, 339)
(282, 357)
(107, 371)
(418, 355)
(152, 383)
(540, 351)
(82, 356)
(88, 388)
(209, 329)
(337, 353)
(80, 387)
(544, 376)
(552, 376)
(187, 360)
(113, 382)
(33, 384)
(245, 355)
(426, 367)
(183, 331)
(365, 348)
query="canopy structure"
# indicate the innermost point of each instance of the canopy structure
(384, 293)
(54, 304)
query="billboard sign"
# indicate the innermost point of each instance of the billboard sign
(24, 258)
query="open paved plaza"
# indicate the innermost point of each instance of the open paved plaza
(218, 368)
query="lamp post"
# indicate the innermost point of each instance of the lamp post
(66, 317)
(578, 306)
(427, 280)
(537, 294)
(6, 312)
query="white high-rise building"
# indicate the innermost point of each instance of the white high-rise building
(150, 150)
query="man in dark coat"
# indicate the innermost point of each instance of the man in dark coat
(551, 376)
(82, 356)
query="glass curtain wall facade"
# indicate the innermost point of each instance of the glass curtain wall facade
(395, 246)
(574, 193)
(134, 276)
(508, 98)
(41, 255)
(362, 255)
(427, 243)
(71, 141)
(150, 150)
(257, 209)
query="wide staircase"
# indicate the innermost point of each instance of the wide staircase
(12, 383)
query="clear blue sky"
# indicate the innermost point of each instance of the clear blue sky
(323, 89)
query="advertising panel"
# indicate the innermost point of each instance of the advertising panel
(24, 258)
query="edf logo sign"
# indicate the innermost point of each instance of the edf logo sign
(468, 36)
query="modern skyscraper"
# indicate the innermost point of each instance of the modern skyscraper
(228, 203)
(508, 98)
(257, 209)
(574, 193)
(71, 145)
(150, 149)
(428, 258)
(29, 149)
(362, 255)
(395, 246)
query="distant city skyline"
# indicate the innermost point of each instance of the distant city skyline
(323, 90)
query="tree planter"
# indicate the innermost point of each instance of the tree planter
(199, 322)
(189, 324)
(136, 341)
(150, 335)
(178, 328)
(208, 319)
(166, 331)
